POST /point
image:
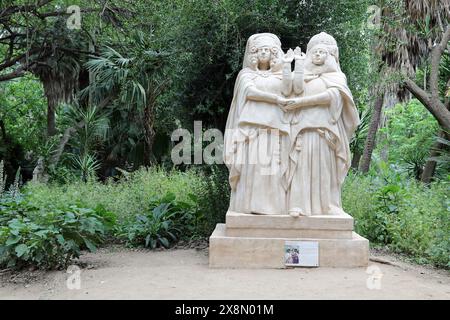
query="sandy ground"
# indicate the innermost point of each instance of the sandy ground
(118, 273)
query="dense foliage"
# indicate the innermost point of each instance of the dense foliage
(165, 221)
(398, 212)
(155, 66)
(390, 209)
(94, 108)
(407, 137)
(48, 237)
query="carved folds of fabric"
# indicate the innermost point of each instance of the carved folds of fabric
(327, 135)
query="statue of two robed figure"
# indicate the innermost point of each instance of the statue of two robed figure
(287, 135)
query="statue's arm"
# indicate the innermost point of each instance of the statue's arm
(259, 95)
(298, 79)
(320, 99)
(286, 84)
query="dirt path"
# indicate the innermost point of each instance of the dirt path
(117, 273)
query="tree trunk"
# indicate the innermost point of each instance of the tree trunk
(149, 120)
(355, 160)
(371, 134)
(429, 169)
(3, 129)
(430, 165)
(51, 122)
(58, 88)
(149, 134)
(53, 89)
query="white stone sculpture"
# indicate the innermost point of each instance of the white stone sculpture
(287, 134)
(256, 119)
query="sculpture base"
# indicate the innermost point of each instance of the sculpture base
(254, 241)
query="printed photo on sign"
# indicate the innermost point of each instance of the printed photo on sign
(301, 253)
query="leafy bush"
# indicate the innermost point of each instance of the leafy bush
(207, 191)
(155, 207)
(214, 197)
(398, 212)
(48, 237)
(127, 197)
(408, 136)
(165, 221)
(421, 227)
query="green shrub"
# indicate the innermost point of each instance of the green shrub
(165, 221)
(155, 207)
(130, 196)
(407, 136)
(48, 237)
(422, 228)
(213, 197)
(409, 217)
(127, 197)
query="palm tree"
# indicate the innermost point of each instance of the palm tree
(414, 36)
(57, 65)
(417, 33)
(132, 82)
(85, 144)
(89, 137)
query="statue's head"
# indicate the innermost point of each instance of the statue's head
(263, 49)
(319, 54)
(322, 52)
(326, 40)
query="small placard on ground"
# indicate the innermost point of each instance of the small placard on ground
(301, 253)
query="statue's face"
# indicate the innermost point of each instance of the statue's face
(319, 55)
(264, 54)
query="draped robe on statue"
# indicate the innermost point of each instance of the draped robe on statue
(256, 146)
(319, 155)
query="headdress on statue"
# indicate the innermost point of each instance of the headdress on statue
(327, 40)
(262, 40)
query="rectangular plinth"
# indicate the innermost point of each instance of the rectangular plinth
(328, 222)
(288, 233)
(285, 226)
(250, 252)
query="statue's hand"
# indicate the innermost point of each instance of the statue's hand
(298, 54)
(282, 102)
(293, 104)
(286, 105)
(284, 108)
(289, 56)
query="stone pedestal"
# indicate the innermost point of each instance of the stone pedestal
(257, 241)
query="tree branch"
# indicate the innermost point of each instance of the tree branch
(12, 36)
(11, 62)
(24, 8)
(436, 55)
(436, 107)
(20, 71)
(12, 75)
(62, 143)
(417, 91)
(62, 13)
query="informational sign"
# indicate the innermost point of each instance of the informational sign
(301, 253)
